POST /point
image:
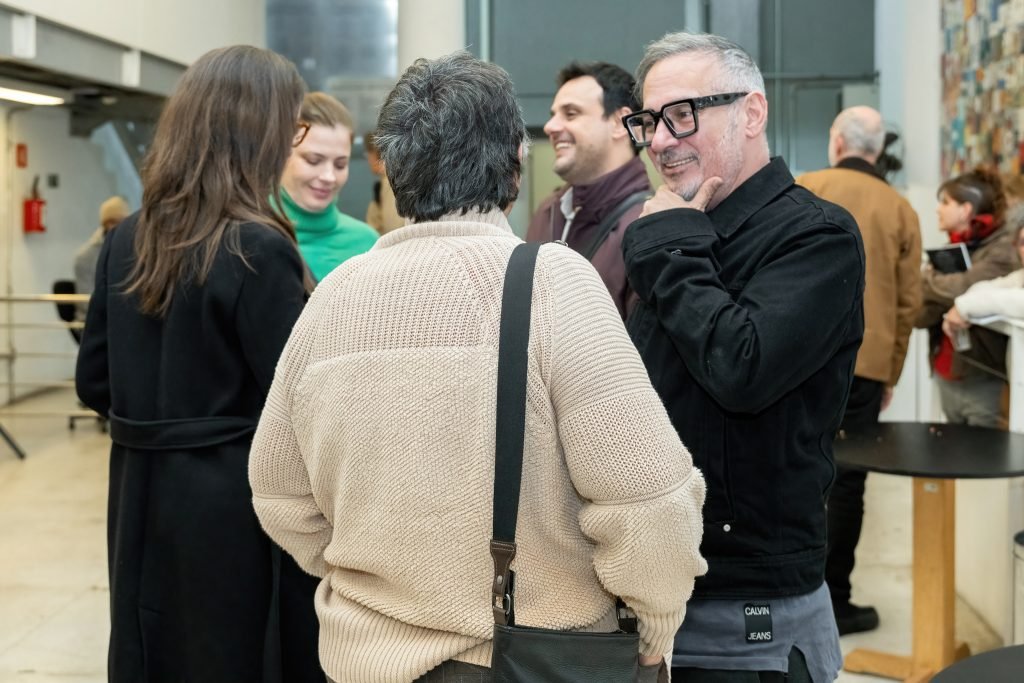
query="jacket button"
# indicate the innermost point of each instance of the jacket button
(727, 528)
(677, 252)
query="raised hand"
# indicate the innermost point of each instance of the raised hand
(665, 199)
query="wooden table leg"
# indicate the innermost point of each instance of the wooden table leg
(934, 643)
(934, 592)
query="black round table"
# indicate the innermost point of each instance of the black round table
(938, 451)
(1005, 665)
(935, 455)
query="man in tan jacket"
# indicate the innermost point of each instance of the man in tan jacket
(892, 294)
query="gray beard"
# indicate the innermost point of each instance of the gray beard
(688, 194)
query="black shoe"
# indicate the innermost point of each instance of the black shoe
(851, 618)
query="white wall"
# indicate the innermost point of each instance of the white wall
(40, 258)
(178, 30)
(909, 87)
(908, 46)
(429, 29)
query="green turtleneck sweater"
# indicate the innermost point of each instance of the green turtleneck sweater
(328, 238)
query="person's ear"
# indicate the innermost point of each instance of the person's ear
(618, 131)
(755, 110)
(839, 145)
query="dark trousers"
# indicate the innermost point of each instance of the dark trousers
(453, 672)
(459, 672)
(798, 673)
(456, 672)
(846, 500)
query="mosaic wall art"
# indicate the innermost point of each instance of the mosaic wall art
(983, 85)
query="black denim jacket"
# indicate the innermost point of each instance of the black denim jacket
(749, 322)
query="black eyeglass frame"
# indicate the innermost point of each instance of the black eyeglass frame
(696, 104)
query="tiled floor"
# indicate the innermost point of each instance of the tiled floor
(53, 583)
(53, 579)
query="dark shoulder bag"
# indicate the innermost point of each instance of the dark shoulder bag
(523, 654)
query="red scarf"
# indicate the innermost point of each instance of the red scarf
(982, 225)
(943, 361)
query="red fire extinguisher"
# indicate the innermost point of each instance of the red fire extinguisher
(33, 210)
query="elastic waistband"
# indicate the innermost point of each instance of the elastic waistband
(166, 435)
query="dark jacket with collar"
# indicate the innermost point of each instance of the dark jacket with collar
(749, 322)
(594, 202)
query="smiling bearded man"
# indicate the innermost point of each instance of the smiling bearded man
(749, 319)
(606, 182)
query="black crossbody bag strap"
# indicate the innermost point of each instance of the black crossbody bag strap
(611, 220)
(510, 429)
(513, 346)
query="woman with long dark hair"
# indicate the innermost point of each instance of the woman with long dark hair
(195, 297)
(972, 210)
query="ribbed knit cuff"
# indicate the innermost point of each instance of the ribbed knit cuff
(658, 632)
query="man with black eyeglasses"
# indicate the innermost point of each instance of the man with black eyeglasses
(749, 321)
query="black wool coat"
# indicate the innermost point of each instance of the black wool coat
(198, 591)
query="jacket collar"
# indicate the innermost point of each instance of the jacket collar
(997, 234)
(609, 189)
(456, 224)
(858, 164)
(753, 195)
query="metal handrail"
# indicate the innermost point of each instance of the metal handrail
(77, 325)
(49, 298)
(11, 354)
(8, 412)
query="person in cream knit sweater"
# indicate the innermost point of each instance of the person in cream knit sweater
(373, 463)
